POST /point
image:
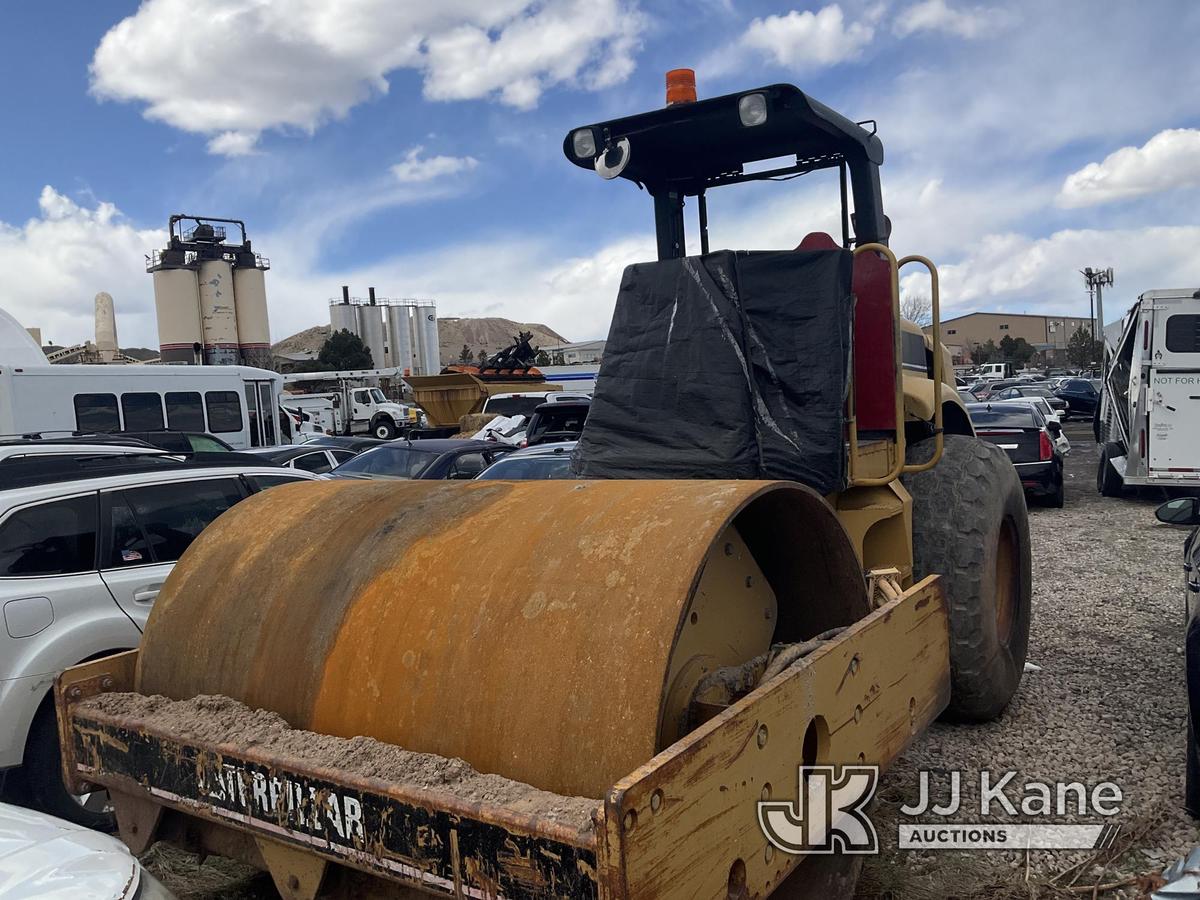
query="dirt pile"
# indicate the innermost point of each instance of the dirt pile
(221, 720)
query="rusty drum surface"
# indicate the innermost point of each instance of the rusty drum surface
(545, 631)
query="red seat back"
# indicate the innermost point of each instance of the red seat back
(874, 337)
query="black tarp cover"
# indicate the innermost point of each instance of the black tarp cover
(729, 365)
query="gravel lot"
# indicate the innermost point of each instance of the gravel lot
(1106, 705)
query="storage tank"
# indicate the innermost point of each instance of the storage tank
(253, 326)
(177, 306)
(218, 315)
(427, 322)
(400, 342)
(370, 329)
(342, 314)
(106, 328)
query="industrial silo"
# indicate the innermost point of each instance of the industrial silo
(343, 316)
(218, 315)
(399, 330)
(250, 299)
(177, 307)
(427, 321)
(370, 329)
(106, 328)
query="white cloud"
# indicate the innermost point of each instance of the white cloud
(1168, 161)
(233, 143)
(67, 254)
(239, 67)
(808, 40)
(414, 168)
(937, 15)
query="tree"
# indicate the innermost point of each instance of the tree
(542, 358)
(916, 308)
(985, 353)
(1017, 351)
(465, 355)
(483, 358)
(1082, 350)
(343, 350)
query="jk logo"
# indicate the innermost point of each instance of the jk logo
(829, 815)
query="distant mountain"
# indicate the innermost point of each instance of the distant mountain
(487, 334)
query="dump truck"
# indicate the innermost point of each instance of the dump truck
(617, 698)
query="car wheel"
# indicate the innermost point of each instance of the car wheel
(1108, 480)
(971, 527)
(48, 792)
(384, 429)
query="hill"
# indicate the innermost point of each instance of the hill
(487, 334)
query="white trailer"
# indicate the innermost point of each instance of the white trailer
(239, 404)
(357, 406)
(1149, 415)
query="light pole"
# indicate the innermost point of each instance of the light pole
(1096, 279)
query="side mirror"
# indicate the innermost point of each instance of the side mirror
(1180, 511)
(1053, 427)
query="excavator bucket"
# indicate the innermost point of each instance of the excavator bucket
(412, 696)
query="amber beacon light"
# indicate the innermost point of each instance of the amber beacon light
(681, 86)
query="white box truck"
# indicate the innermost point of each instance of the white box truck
(1149, 414)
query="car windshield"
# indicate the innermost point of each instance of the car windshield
(1036, 391)
(1013, 415)
(529, 468)
(566, 420)
(392, 461)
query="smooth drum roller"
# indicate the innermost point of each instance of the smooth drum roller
(552, 632)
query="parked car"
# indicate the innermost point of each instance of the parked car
(524, 404)
(436, 458)
(555, 422)
(967, 396)
(29, 448)
(1028, 438)
(310, 457)
(1051, 415)
(1029, 390)
(1081, 396)
(346, 442)
(85, 545)
(546, 461)
(52, 859)
(1185, 511)
(181, 441)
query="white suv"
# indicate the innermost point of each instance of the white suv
(85, 544)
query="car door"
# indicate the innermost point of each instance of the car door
(148, 527)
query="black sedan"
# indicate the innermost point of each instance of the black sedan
(428, 459)
(1082, 396)
(1028, 438)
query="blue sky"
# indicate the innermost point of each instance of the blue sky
(416, 147)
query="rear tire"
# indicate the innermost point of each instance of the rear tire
(1108, 480)
(48, 792)
(384, 429)
(970, 526)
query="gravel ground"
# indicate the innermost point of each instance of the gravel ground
(1107, 704)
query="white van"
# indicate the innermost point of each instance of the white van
(238, 404)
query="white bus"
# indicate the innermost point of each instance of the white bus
(238, 404)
